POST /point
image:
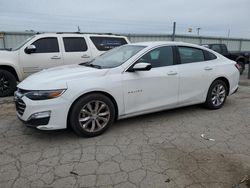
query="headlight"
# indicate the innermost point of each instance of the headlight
(44, 95)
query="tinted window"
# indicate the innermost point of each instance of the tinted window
(216, 48)
(159, 57)
(107, 43)
(74, 44)
(190, 55)
(46, 45)
(210, 56)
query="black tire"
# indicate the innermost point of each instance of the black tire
(80, 104)
(7, 83)
(210, 96)
(241, 66)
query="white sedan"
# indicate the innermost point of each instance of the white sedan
(127, 81)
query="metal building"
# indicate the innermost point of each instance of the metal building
(11, 39)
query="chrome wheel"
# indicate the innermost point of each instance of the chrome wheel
(4, 83)
(218, 95)
(94, 116)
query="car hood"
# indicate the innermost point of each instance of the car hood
(57, 77)
(7, 56)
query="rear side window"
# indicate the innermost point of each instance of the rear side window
(190, 55)
(209, 55)
(46, 45)
(75, 44)
(107, 43)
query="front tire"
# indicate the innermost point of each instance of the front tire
(217, 95)
(7, 83)
(91, 115)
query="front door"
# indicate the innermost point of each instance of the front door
(46, 55)
(153, 89)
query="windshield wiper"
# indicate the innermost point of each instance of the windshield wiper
(91, 65)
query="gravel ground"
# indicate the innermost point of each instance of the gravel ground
(158, 150)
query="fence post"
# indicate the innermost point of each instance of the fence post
(173, 35)
(240, 47)
(249, 70)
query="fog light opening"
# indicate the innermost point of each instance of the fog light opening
(40, 115)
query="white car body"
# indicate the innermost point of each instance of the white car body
(134, 93)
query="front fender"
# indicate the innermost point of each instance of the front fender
(16, 69)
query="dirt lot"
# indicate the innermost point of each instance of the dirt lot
(158, 150)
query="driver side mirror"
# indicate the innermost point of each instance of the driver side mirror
(140, 67)
(30, 49)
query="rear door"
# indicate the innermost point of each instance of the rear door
(75, 50)
(196, 74)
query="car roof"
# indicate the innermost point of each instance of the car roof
(82, 34)
(167, 43)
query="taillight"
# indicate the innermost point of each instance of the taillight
(237, 66)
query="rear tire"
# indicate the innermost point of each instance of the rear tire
(91, 115)
(217, 95)
(7, 83)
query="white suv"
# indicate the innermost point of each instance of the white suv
(43, 51)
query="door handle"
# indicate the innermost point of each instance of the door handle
(171, 73)
(85, 56)
(208, 68)
(55, 57)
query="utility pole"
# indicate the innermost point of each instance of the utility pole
(173, 35)
(198, 31)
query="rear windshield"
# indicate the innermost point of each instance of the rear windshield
(107, 43)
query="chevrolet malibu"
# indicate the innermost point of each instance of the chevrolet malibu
(127, 81)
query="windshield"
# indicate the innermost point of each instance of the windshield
(115, 57)
(20, 45)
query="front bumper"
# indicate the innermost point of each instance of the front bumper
(56, 118)
(36, 122)
(236, 90)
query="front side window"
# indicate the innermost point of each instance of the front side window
(190, 55)
(159, 57)
(22, 43)
(107, 43)
(46, 45)
(74, 44)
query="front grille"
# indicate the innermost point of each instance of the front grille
(20, 106)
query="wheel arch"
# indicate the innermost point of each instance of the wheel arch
(96, 92)
(226, 82)
(241, 59)
(11, 70)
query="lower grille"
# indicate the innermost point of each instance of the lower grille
(20, 106)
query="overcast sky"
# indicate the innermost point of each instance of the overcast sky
(214, 17)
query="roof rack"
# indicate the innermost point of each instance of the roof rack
(87, 33)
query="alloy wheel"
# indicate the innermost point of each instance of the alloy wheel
(4, 83)
(218, 95)
(94, 116)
